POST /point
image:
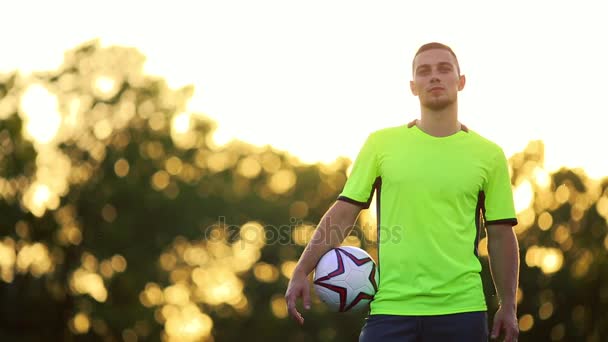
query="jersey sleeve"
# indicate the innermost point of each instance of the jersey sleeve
(499, 206)
(364, 174)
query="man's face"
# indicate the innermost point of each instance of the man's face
(436, 79)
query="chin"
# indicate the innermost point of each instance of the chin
(437, 105)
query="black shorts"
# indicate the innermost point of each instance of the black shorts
(467, 326)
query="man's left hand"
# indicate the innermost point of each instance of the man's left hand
(505, 324)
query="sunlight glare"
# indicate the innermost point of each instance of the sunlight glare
(181, 123)
(221, 137)
(38, 197)
(41, 194)
(542, 177)
(42, 118)
(105, 84)
(552, 261)
(523, 196)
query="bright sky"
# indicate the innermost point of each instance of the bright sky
(316, 77)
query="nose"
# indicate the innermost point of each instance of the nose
(434, 79)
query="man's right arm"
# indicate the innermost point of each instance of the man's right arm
(334, 227)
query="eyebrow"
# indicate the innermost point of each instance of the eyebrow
(440, 64)
(445, 64)
(423, 66)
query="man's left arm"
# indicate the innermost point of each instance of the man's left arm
(503, 251)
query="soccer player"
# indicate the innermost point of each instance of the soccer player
(437, 184)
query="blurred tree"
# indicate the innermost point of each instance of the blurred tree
(121, 220)
(563, 242)
(143, 239)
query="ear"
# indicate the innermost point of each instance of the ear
(461, 82)
(413, 88)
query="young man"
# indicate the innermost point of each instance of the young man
(437, 183)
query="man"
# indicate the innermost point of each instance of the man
(437, 183)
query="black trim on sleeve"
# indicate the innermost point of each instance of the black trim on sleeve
(511, 221)
(481, 222)
(363, 205)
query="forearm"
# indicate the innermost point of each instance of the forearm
(333, 228)
(503, 251)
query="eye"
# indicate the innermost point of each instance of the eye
(424, 72)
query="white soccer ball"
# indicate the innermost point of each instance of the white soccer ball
(346, 279)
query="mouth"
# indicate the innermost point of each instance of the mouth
(435, 89)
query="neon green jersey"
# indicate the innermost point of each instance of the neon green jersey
(432, 194)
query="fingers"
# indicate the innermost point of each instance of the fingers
(511, 334)
(296, 315)
(306, 297)
(290, 298)
(496, 328)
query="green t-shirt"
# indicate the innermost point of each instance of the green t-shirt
(432, 197)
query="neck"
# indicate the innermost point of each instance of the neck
(439, 123)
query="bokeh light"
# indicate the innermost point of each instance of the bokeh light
(87, 282)
(80, 324)
(523, 196)
(282, 181)
(526, 322)
(35, 259)
(265, 272)
(187, 324)
(550, 260)
(8, 257)
(41, 116)
(278, 306)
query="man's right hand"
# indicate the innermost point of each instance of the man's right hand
(299, 286)
(341, 216)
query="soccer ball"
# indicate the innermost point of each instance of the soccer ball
(346, 279)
